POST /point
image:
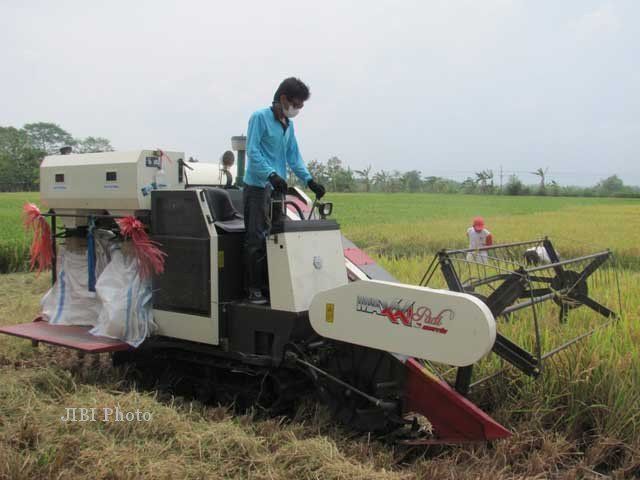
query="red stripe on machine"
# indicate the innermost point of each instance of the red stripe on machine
(358, 257)
(303, 206)
(454, 418)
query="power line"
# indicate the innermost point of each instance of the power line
(527, 172)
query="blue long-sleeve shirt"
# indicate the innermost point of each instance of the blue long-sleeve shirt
(270, 148)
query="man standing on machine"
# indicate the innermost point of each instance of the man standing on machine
(271, 146)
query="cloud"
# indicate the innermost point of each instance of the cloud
(599, 21)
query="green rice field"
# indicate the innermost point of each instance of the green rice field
(14, 242)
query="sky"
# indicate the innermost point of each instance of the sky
(446, 87)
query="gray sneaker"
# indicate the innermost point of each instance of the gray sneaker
(256, 297)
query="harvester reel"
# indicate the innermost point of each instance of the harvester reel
(507, 281)
(572, 283)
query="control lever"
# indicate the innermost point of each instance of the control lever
(313, 206)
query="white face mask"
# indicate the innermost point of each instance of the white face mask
(291, 111)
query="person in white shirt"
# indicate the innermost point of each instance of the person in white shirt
(478, 237)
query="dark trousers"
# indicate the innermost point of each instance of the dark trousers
(257, 222)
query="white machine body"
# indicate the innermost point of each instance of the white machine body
(301, 264)
(437, 325)
(112, 181)
(208, 173)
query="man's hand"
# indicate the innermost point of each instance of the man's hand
(278, 183)
(316, 188)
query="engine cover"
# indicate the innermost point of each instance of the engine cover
(437, 325)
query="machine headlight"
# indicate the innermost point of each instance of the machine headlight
(325, 209)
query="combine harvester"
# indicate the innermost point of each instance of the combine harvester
(337, 322)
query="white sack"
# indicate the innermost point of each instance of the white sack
(126, 301)
(69, 301)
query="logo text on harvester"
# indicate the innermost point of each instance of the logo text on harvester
(405, 312)
(104, 414)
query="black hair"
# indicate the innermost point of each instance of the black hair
(293, 88)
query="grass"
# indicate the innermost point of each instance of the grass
(378, 208)
(581, 419)
(410, 225)
(14, 242)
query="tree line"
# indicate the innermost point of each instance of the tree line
(22, 150)
(338, 177)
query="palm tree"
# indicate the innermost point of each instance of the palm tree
(381, 179)
(364, 174)
(482, 177)
(541, 173)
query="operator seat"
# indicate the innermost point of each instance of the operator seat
(226, 217)
(236, 198)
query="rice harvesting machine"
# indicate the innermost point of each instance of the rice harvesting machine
(337, 325)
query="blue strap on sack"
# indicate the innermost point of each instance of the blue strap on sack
(91, 255)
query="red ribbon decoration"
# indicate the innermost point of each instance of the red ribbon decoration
(150, 257)
(41, 251)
